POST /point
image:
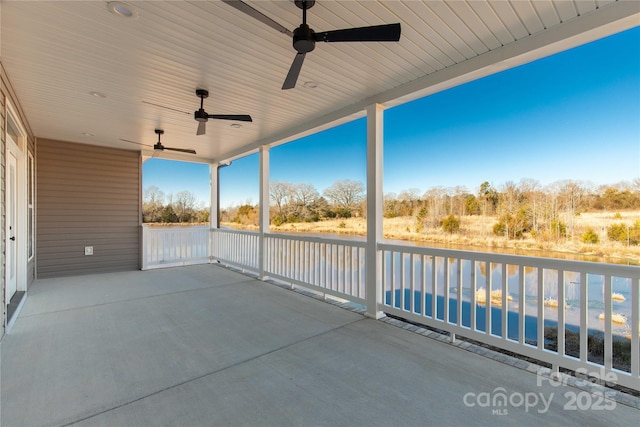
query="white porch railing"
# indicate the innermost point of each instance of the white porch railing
(334, 267)
(572, 314)
(331, 266)
(236, 247)
(174, 246)
(577, 315)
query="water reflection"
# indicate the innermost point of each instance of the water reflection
(484, 281)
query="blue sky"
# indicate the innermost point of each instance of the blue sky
(574, 115)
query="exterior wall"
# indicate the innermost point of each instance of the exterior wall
(86, 196)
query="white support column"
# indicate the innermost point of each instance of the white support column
(374, 210)
(145, 242)
(214, 207)
(264, 209)
(213, 210)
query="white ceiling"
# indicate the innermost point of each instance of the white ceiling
(57, 52)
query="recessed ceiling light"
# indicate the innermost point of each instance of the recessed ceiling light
(122, 9)
(98, 94)
(310, 85)
(236, 125)
(87, 134)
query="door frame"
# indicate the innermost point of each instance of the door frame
(18, 148)
(11, 219)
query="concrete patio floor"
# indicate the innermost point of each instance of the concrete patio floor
(207, 346)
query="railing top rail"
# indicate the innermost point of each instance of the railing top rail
(318, 239)
(235, 231)
(175, 227)
(298, 237)
(527, 261)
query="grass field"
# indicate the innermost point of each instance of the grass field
(476, 233)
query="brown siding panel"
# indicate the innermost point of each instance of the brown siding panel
(87, 196)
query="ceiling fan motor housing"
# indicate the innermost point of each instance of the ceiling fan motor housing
(304, 39)
(200, 115)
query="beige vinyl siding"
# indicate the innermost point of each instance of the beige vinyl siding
(86, 196)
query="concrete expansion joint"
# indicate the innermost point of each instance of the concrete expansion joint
(210, 373)
(138, 298)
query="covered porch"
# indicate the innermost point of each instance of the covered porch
(98, 342)
(510, 302)
(205, 345)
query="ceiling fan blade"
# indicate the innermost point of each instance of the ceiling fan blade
(376, 33)
(238, 117)
(202, 128)
(294, 71)
(245, 8)
(165, 107)
(182, 150)
(134, 142)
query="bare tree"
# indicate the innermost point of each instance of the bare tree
(509, 198)
(435, 198)
(184, 204)
(460, 193)
(410, 197)
(571, 194)
(281, 194)
(152, 204)
(304, 196)
(345, 194)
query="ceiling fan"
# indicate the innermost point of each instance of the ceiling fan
(158, 145)
(202, 117)
(304, 38)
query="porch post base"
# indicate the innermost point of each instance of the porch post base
(377, 315)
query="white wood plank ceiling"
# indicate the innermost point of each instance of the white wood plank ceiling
(57, 53)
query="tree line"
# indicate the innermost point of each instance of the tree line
(293, 202)
(183, 207)
(567, 195)
(518, 209)
(521, 209)
(289, 203)
(527, 207)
